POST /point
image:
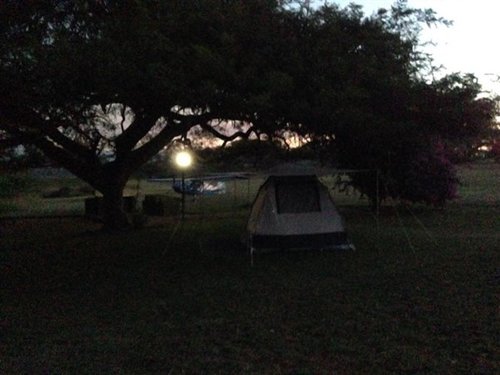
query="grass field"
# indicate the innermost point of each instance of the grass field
(419, 296)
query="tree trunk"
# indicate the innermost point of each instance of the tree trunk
(114, 216)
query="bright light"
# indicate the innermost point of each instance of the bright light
(183, 159)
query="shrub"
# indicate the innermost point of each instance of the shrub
(415, 173)
(431, 178)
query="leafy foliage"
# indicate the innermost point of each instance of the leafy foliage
(120, 79)
(431, 178)
(103, 86)
(370, 107)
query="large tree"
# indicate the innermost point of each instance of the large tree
(101, 86)
(365, 97)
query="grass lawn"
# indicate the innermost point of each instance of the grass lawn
(420, 296)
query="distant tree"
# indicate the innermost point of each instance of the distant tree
(454, 108)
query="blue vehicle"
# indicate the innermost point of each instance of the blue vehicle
(203, 185)
(199, 187)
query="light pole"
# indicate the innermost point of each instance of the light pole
(183, 159)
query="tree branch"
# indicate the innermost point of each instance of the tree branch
(87, 169)
(176, 125)
(68, 144)
(122, 113)
(141, 155)
(134, 133)
(227, 138)
(44, 135)
(36, 127)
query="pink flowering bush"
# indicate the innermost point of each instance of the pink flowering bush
(431, 177)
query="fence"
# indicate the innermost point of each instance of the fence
(161, 198)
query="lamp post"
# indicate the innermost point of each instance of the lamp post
(183, 159)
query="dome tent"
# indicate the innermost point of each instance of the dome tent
(295, 211)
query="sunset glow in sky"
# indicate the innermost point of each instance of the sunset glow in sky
(470, 45)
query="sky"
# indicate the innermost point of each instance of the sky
(470, 45)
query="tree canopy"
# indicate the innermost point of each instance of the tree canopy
(87, 78)
(80, 79)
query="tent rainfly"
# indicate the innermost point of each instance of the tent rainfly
(295, 212)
